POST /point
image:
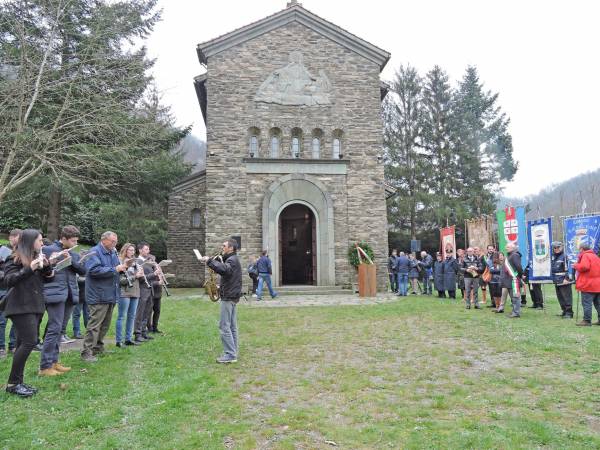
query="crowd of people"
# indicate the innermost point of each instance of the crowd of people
(500, 276)
(40, 278)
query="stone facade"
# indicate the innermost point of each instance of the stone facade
(233, 193)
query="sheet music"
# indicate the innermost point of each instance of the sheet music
(66, 262)
(198, 254)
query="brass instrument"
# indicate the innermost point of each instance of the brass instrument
(210, 286)
(473, 271)
(129, 276)
(161, 275)
(141, 262)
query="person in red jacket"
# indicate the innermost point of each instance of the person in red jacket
(588, 282)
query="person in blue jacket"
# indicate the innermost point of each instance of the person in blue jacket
(403, 265)
(102, 291)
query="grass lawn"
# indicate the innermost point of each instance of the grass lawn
(416, 373)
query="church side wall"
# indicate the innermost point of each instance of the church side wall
(183, 236)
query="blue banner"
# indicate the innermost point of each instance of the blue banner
(539, 234)
(580, 230)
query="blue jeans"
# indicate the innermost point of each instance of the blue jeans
(262, 279)
(127, 307)
(12, 339)
(77, 310)
(403, 284)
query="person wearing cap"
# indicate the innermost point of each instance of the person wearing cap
(588, 281)
(562, 282)
(438, 275)
(450, 271)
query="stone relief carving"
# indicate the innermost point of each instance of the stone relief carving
(294, 85)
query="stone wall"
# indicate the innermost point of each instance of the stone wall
(182, 235)
(234, 199)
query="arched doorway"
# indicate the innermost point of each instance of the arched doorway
(297, 245)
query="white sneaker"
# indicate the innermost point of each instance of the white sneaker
(254, 296)
(66, 340)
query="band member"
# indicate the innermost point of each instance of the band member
(562, 281)
(102, 291)
(145, 303)
(63, 290)
(130, 293)
(471, 270)
(154, 315)
(511, 277)
(392, 266)
(426, 265)
(230, 291)
(7, 250)
(25, 272)
(81, 308)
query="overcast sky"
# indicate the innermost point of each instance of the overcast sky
(542, 57)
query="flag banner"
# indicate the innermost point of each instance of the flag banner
(539, 233)
(479, 232)
(512, 227)
(580, 230)
(447, 240)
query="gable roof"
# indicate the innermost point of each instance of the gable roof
(293, 13)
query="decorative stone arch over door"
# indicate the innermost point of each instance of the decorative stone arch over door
(300, 188)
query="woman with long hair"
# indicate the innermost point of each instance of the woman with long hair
(130, 294)
(24, 274)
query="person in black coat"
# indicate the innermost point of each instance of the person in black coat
(230, 291)
(438, 275)
(392, 266)
(25, 273)
(511, 278)
(450, 272)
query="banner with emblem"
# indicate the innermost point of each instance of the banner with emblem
(539, 233)
(579, 230)
(447, 240)
(479, 232)
(512, 227)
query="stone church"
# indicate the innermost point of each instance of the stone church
(292, 107)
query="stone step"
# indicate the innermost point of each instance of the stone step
(313, 290)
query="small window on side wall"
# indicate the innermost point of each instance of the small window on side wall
(337, 145)
(253, 139)
(317, 136)
(196, 220)
(274, 142)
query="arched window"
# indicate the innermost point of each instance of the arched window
(274, 142)
(196, 219)
(337, 148)
(253, 146)
(274, 147)
(337, 151)
(316, 148)
(317, 138)
(253, 142)
(296, 143)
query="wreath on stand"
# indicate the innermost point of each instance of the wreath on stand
(360, 253)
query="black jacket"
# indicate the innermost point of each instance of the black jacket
(514, 259)
(231, 276)
(25, 288)
(469, 261)
(65, 281)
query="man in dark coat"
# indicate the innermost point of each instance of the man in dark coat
(438, 275)
(102, 290)
(393, 271)
(471, 269)
(146, 300)
(511, 277)
(403, 264)
(562, 281)
(60, 295)
(450, 271)
(230, 291)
